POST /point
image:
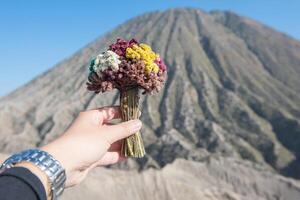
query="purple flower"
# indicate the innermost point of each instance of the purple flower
(121, 45)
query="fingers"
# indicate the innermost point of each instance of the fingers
(109, 113)
(102, 115)
(110, 158)
(117, 121)
(120, 131)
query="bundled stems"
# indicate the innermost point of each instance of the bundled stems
(129, 102)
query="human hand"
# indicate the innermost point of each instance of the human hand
(90, 142)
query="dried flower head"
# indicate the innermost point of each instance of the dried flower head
(105, 60)
(121, 45)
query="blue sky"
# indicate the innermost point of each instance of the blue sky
(35, 35)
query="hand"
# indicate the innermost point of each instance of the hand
(90, 142)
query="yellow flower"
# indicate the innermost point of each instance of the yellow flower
(130, 53)
(151, 67)
(145, 47)
(155, 68)
(144, 52)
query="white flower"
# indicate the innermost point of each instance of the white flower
(106, 60)
(96, 61)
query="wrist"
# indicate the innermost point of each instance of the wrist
(46, 163)
(57, 150)
(38, 173)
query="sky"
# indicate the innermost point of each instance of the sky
(35, 35)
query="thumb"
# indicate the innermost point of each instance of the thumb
(120, 131)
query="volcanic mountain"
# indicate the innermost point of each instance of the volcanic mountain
(232, 93)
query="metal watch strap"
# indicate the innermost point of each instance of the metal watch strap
(46, 163)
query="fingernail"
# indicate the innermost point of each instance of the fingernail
(135, 125)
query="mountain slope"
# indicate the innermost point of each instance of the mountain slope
(188, 180)
(232, 90)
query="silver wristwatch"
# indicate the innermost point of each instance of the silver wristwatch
(43, 160)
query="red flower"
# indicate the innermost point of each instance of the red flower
(121, 45)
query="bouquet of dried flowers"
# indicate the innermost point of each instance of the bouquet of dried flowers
(128, 66)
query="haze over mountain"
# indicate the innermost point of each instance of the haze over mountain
(232, 91)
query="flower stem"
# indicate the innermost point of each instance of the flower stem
(132, 146)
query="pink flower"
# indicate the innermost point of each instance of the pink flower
(161, 64)
(121, 45)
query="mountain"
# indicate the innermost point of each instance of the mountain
(232, 92)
